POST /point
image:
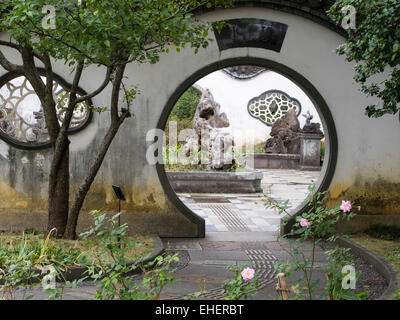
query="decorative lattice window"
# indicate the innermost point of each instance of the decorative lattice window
(272, 105)
(22, 120)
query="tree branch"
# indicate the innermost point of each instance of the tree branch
(9, 66)
(98, 90)
(115, 93)
(49, 74)
(10, 44)
(62, 138)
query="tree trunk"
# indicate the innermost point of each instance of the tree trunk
(59, 172)
(59, 195)
(116, 122)
(83, 190)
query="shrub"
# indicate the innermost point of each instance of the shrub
(315, 224)
(185, 107)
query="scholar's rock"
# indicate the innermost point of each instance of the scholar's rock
(208, 114)
(285, 135)
(209, 123)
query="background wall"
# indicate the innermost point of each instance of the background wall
(368, 166)
(234, 95)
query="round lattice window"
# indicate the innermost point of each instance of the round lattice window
(272, 105)
(22, 120)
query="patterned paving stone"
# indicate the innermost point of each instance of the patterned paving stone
(247, 212)
(261, 260)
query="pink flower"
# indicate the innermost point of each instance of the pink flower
(346, 206)
(247, 274)
(304, 223)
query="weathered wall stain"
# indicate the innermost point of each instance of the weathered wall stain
(24, 191)
(367, 169)
(10, 198)
(379, 197)
(138, 199)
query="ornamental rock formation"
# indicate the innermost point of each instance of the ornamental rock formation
(285, 135)
(213, 141)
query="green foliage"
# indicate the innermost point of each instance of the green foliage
(258, 150)
(102, 33)
(238, 288)
(375, 47)
(185, 107)
(394, 257)
(113, 279)
(174, 163)
(315, 224)
(183, 111)
(16, 273)
(21, 263)
(322, 151)
(156, 275)
(322, 219)
(97, 30)
(337, 259)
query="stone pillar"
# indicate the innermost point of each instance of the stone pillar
(310, 151)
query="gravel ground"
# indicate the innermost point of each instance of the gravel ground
(370, 280)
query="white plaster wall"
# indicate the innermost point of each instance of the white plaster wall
(368, 149)
(234, 95)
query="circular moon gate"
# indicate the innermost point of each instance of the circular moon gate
(328, 168)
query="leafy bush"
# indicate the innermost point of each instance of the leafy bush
(242, 285)
(114, 282)
(374, 45)
(315, 224)
(185, 107)
(195, 160)
(23, 259)
(183, 111)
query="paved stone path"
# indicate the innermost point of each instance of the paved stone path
(238, 230)
(205, 261)
(228, 212)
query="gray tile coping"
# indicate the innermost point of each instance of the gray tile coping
(380, 264)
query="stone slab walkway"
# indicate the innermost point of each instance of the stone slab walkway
(202, 265)
(205, 262)
(225, 212)
(238, 230)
